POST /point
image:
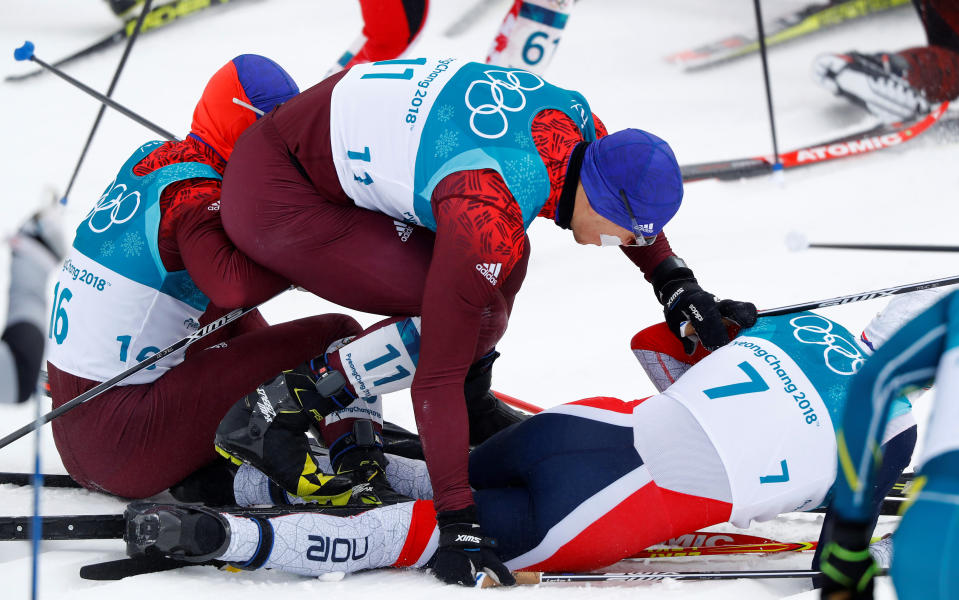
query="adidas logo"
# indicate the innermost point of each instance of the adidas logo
(646, 228)
(214, 207)
(490, 271)
(264, 406)
(404, 230)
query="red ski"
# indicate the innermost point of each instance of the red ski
(863, 142)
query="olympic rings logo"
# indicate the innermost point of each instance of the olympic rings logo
(841, 355)
(501, 91)
(119, 208)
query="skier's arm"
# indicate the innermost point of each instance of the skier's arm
(908, 360)
(479, 240)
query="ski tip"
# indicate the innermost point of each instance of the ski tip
(24, 52)
(796, 241)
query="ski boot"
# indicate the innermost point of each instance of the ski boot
(359, 456)
(122, 8)
(487, 413)
(876, 82)
(267, 429)
(191, 533)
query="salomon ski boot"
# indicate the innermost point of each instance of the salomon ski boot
(192, 533)
(267, 429)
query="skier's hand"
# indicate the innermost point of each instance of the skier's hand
(464, 551)
(684, 301)
(846, 564)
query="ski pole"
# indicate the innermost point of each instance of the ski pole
(891, 247)
(777, 161)
(686, 330)
(25, 52)
(36, 523)
(113, 85)
(106, 385)
(890, 291)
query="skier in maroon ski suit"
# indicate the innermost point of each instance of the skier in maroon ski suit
(137, 440)
(285, 207)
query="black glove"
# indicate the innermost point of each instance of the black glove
(464, 551)
(847, 567)
(683, 300)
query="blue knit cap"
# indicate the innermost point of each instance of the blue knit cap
(265, 83)
(637, 167)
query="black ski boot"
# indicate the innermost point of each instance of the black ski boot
(211, 484)
(191, 533)
(122, 8)
(359, 456)
(487, 413)
(267, 429)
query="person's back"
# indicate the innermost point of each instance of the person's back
(150, 264)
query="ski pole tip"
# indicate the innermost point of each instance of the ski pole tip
(24, 52)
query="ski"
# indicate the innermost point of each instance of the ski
(157, 17)
(25, 479)
(113, 527)
(535, 578)
(109, 527)
(115, 570)
(811, 19)
(712, 543)
(854, 144)
(67, 527)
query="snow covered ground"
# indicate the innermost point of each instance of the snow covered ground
(580, 305)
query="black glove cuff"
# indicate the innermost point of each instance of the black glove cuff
(672, 270)
(459, 528)
(455, 517)
(851, 534)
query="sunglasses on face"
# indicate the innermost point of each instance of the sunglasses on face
(640, 238)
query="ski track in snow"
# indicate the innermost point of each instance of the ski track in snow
(579, 307)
